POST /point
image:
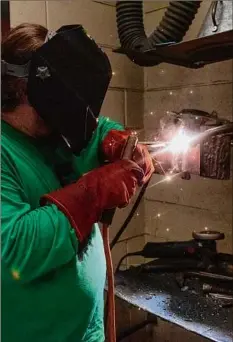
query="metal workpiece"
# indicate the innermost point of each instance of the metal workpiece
(159, 294)
(193, 142)
(215, 153)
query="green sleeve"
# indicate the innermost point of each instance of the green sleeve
(34, 242)
(89, 158)
(106, 125)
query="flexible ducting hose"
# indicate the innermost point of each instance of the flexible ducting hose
(173, 27)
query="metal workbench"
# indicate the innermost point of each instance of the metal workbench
(159, 294)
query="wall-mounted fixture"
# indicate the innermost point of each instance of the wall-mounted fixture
(214, 43)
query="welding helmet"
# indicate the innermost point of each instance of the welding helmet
(68, 77)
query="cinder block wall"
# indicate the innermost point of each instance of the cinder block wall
(185, 206)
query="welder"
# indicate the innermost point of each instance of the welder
(61, 170)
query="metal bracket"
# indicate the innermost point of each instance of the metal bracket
(213, 14)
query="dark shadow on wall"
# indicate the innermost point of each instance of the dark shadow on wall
(5, 18)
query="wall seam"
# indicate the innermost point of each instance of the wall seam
(46, 14)
(122, 89)
(125, 108)
(194, 85)
(104, 3)
(156, 10)
(183, 205)
(133, 237)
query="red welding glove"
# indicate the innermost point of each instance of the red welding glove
(108, 187)
(114, 144)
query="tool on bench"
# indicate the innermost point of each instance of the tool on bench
(194, 258)
(106, 219)
(197, 253)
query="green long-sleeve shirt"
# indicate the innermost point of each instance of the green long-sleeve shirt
(48, 295)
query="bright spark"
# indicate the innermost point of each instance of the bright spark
(167, 179)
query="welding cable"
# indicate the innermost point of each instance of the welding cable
(109, 305)
(110, 324)
(110, 301)
(109, 319)
(173, 27)
(130, 216)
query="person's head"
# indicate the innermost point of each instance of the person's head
(61, 77)
(17, 48)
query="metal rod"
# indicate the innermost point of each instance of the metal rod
(152, 143)
(209, 275)
(221, 296)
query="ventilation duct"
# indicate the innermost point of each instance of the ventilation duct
(214, 44)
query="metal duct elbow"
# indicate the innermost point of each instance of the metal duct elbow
(173, 27)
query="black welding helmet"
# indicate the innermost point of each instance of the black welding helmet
(68, 77)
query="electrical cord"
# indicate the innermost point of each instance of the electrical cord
(124, 257)
(130, 216)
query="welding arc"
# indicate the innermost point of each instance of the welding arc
(223, 129)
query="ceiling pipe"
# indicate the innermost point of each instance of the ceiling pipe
(172, 28)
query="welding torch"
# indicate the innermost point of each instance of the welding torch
(106, 219)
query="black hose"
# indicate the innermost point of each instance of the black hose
(173, 27)
(129, 217)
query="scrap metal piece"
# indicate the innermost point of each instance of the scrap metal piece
(215, 157)
(221, 296)
(210, 288)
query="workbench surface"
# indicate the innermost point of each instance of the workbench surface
(160, 295)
